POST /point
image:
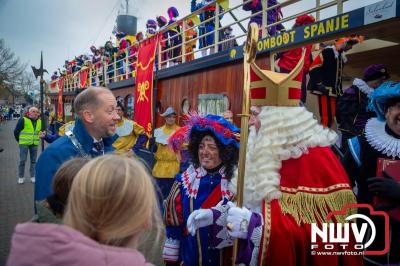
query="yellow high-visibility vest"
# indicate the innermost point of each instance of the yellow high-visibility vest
(30, 135)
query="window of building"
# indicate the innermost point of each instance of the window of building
(158, 107)
(130, 104)
(212, 104)
(185, 106)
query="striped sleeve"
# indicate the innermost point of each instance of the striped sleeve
(173, 207)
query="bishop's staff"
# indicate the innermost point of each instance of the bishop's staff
(249, 56)
(39, 73)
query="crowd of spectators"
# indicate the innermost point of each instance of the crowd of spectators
(10, 112)
(115, 61)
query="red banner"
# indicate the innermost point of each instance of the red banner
(83, 75)
(144, 83)
(53, 84)
(60, 102)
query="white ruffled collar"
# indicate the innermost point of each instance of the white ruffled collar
(125, 128)
(380, 140)
(161, 136)
(362, 86)
(191, 181)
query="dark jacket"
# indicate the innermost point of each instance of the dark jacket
(360, 164)
(273, 15)
(351, 109)
(327, 70)
(60, 151)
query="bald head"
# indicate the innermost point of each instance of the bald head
(33, 112)
(97, 109)
(33, 109)
(89, 98)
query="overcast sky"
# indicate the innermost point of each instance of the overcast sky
(67, 28)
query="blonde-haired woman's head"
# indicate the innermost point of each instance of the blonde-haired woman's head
(112, 201)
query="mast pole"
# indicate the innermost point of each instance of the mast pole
(250, 50)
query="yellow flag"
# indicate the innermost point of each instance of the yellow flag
(131, 38)
(195, 19)
(224, 4)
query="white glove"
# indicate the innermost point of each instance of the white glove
(199, 218)
(238, 221)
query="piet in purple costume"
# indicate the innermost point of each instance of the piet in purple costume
(273, 15)
(161, 22)
(174, 34)
(196, 208)
(151, 28)
(351, 110)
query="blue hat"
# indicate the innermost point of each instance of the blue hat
(380, 96)
(226, 132)
(172, 12)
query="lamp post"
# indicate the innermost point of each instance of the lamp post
(39, 73)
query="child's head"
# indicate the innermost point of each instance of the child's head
(112, 201)
(62, 184)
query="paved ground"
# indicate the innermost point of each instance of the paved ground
(16, 201)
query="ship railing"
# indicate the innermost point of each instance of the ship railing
(102, 73)
(182, 57)
(121, 68)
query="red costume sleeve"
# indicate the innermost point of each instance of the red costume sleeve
(312, 186)
(173, 215)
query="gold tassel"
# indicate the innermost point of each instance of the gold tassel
(313, 208)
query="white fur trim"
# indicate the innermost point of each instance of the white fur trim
(285, 132)
(362, 86)
(377, 137)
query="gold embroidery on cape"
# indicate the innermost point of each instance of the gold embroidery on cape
(316, 190)
(267, 232)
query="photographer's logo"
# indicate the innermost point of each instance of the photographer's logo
(351, 235)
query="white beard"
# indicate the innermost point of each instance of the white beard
(285, 132)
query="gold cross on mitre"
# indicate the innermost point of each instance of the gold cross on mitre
(270, 88)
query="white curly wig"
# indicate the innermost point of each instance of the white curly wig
(285, 132)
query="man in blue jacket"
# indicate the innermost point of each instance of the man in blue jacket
(92, 136)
